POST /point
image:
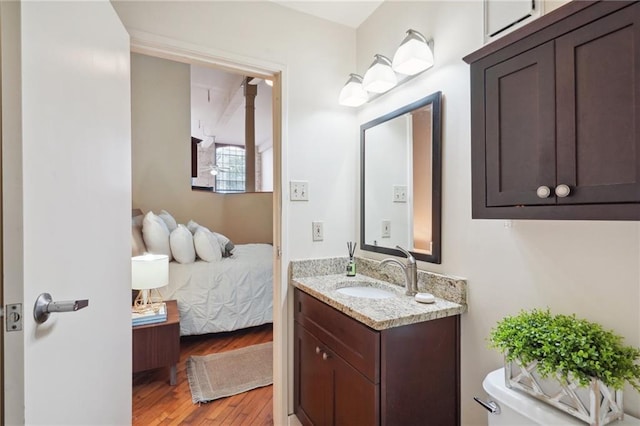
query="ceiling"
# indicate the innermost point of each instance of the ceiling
(349, 13)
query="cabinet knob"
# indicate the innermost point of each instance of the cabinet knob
(543, 191)
(325, 356)
(317, 349)
(563, 190)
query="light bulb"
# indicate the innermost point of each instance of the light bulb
(414, 54)
(380, 77)
(353, 94)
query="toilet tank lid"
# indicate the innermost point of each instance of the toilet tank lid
(529, 407)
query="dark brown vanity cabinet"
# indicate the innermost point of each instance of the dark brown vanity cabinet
(556, 117)
(346, 373)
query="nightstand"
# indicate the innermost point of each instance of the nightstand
(158, 345)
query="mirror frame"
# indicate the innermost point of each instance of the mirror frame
(436, 151)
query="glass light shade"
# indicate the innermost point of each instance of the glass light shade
(353, 94)
(149, 271)
(380, 77)
(414, 55)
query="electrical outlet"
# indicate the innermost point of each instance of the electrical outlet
(386, 229)
(399, 193)
(318, 231)
(299, 190)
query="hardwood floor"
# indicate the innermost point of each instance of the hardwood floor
(157, 403)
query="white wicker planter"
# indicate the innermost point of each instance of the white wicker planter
(596, 405)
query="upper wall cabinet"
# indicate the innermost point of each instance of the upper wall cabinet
(555, 112)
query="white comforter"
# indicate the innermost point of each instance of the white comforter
(235, 292)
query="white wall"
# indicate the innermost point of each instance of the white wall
(587, 268)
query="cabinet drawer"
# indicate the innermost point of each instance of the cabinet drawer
(353, 341)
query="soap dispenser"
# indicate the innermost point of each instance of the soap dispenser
(351, 266)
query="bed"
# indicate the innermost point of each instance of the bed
(232, 293)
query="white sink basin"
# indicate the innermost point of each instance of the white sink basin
(366, 292)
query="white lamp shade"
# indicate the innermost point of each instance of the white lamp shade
(380, 77)
(413, 56)
(353, 94)
(149, 271)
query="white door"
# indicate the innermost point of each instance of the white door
(66, 203)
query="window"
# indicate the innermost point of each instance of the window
(230, 164)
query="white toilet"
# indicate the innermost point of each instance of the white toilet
(520, 409)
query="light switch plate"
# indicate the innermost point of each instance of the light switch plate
(386, 229)
(399, 193)
(299, 190)
(318, 231)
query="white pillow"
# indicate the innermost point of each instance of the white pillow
(181, 242)
(168, 220)
(207, 245)
(156, 235)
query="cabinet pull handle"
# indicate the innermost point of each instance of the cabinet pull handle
(325, 356)
(563, 190)
(317, 349)
(543, 191)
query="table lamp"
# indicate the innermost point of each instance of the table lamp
(148, 273)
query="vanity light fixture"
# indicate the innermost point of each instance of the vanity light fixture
(353, 94)
(380, 77)
(414, 54)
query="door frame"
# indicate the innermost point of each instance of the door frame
(11, 133)
(171, 49)
(2, 308)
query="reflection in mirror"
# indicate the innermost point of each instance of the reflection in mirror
(231, 132)
(401, 181)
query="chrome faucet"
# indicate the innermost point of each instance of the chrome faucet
(410, 271)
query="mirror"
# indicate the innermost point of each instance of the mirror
(401, 181)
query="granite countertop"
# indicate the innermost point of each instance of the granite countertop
(378, 314)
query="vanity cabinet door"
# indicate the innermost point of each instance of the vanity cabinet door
(355, 399)
(312, 380)
(328, 390)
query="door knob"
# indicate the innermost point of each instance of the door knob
(543, 191)
(563, 190)
(45, 305)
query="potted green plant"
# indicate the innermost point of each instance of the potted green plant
(541, 348)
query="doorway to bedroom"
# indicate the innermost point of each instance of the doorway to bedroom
(216, 317)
